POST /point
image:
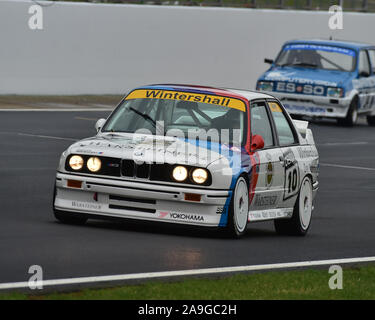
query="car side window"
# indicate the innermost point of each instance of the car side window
(260, 123)
(284, 130)
(363, 63)
(371, 54)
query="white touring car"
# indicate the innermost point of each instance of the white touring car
(193, 155)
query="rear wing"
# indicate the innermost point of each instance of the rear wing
(304, 131)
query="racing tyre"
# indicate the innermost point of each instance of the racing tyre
(351, 117)
(70, 218)
(67, 217)
(371, 121)
(238, 210)
(299, 224)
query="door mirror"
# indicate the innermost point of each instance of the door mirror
(269, 61)
(257, 142)
(99, 124)
(364, 74)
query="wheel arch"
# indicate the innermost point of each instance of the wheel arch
(356, 100)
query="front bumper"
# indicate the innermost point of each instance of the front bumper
(314, 106)
(140, 200)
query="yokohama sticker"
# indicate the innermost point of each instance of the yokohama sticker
(182, 216)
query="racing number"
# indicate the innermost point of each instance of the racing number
(292, 180)
(291, 175)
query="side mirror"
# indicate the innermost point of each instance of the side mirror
(257, 142)
(364, 74)
(99, 124)
(270, 61)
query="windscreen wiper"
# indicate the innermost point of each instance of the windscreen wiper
(144, 116)
(299, 64)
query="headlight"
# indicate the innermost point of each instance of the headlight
(335, 92)
(265, 86)
(94, 164)
(180, 173)
(199, 176)
(76, 162)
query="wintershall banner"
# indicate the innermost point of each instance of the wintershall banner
(188, 96)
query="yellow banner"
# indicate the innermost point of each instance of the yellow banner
(188, 96)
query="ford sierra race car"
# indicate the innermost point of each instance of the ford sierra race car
(324, 78)
(193, 155)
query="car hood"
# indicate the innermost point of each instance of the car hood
(159, 149)
(308, 76)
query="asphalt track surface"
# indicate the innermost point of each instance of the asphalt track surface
(343, 223)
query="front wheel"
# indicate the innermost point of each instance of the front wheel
(351, 117)
(238, 210)
(70, 218)
(371, 121)
(299, 224)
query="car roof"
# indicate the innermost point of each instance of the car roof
(339, 43)
(234, 93)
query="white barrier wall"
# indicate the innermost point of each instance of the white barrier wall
(107, 49)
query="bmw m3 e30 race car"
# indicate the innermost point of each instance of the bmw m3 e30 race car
(324, 78)
(193, 155)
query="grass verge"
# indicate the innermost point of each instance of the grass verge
(15, 101)
(358, 283)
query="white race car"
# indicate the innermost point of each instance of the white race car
(193, 155)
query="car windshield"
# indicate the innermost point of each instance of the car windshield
(161, 112)
(317, 57)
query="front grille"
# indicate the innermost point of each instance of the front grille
(113, 206)
(128, 168)
(156, 172)
(139, 200)
(143, 171)
(132, 204)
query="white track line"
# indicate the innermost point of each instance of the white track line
(164, 274)
(45, 137)
(57, 110)
(346, 167)
(339, 144)
(87, 119)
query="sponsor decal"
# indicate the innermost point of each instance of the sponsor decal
(305, 109)
(301, 46)
(113, 165)
(162, 214)
(254, 174)
(186, 216)
(86, 205)
(219, 210)
(181, 216)
(274, 107)
(270, 214)
(307, 152)
(188, 96)
(290, 78)
(269, 172)
(262, 201)
(87, 151)
(291, 87)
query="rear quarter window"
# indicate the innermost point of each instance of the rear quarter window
(284, 130)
